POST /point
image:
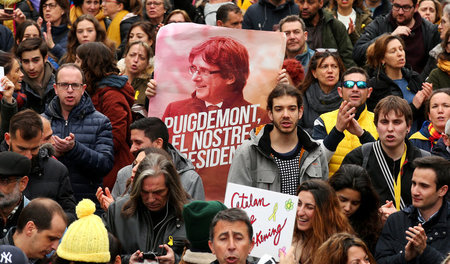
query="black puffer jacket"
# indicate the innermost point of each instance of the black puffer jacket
(92, 156)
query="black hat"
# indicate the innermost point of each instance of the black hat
(12, 255)
(13, 164)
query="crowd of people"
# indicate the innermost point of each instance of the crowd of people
(357, 127)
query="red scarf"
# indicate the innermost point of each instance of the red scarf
(434, 134)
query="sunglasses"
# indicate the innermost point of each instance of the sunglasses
(322, 50)
(351, 84)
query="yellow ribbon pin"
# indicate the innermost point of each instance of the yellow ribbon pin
(136, 95)
(273, 216)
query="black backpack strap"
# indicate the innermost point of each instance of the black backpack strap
(366, 149)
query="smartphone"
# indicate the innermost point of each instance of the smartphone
(9, 10)
(150, 255)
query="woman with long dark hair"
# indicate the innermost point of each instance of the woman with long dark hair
(319, 216)
(111, 95)
(85, 29)
(319, 88)
(359, 201)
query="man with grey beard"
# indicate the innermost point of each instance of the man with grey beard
(14, 170)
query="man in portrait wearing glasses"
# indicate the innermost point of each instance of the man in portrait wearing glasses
(419, 35)
(219, 69)
(346, 128)
(82, 136)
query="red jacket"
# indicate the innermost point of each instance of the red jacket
(114, 98)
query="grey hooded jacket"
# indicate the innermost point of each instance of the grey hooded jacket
(253, 164)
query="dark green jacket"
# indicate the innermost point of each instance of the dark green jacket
(439, 79)
(362, 20)
(334, 36)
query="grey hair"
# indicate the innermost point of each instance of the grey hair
(446, 9)
(154, 165)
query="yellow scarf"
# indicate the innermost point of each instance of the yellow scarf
(76, 11)
(113, 32)
(398, 182)
(444, 66)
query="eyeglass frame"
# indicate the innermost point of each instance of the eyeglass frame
(397, 7)
(206, 73)
(51, 6)
(65, 86)
(357, 83)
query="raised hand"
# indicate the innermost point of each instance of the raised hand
(48, 36)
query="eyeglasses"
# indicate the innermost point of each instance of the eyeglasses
(154, 3)
(320, 50)
(8, 180)
(201, 71)
(65, 86)
(51, 6)
(405, 8)
(351, 84)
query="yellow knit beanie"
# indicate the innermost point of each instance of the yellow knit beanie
(86, 239)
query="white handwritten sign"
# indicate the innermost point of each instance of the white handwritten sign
(272, 215)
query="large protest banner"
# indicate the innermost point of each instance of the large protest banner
(272, 215)
(212, 87)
